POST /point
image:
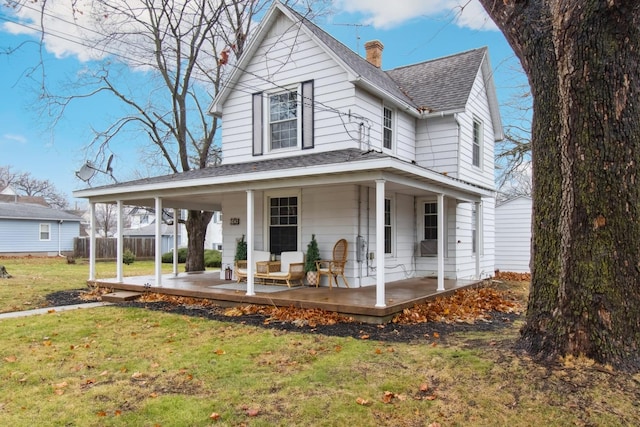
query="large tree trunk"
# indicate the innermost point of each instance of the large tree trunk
(582, 58)
(196, 225)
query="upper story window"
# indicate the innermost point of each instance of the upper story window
(477, 143)
(45, 233)
(283, 120)
(387, 128)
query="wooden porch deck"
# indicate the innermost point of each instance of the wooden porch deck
(356, 302)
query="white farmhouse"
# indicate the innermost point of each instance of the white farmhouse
(318, 140)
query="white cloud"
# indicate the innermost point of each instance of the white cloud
(381, 14)
(20, 139)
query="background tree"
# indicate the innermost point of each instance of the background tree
(106, 219)
(24, 184)
(184, 49)
(582, 59)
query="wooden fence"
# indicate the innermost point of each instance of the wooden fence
(106, 248)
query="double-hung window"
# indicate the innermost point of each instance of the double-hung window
(283, 224)
(387, 128)
(477, 143)
(45, 232)
(388, 226)
(283, 119)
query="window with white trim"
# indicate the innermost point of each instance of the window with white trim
(388, 226)
(474, 228)
(429, 236)
(283, 224)
(387, 128)
(45, 232)
(283, 120)
(477, 143)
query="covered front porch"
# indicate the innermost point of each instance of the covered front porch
(359, 303)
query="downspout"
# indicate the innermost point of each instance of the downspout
(359, 229)
(458, 138)
(60, 237)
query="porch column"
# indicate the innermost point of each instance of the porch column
(158, 260)
(478, 213)
(176, 218)
(380, 285)
(250, 228)
(441, 242)
(92, 241)
(120, 241)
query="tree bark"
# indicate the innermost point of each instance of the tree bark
(196, 226)
(582, 59)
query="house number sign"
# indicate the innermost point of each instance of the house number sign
(234, 221)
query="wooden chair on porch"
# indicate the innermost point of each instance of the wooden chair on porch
(334, 267)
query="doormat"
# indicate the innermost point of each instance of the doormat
(257, 288)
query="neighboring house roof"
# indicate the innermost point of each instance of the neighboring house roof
(512, 199)
(34, 212)
(34, 200)
(149, 230)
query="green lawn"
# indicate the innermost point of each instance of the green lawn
(35, 277)
(115, 366)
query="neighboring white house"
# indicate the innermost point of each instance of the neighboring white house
(318, 140)
(144, 218)
(513, 235)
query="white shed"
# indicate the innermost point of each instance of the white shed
(513, 235)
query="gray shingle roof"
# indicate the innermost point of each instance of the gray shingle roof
(239, 169)
(357, 63)
(442, 84)
(36, 212)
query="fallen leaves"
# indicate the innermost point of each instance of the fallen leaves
(464, 306)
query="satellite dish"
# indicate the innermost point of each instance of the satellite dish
(86, 172)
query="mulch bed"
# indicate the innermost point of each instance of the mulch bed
(471, 310)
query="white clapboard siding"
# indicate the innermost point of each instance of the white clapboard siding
(513, 235)
(477, 109)
(437, 145)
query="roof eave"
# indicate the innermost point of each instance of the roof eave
(366, 84)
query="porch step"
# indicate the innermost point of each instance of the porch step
(120, 296)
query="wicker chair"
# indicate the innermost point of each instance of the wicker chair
(334, 267)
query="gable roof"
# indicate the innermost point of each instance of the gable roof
(34, 212)
(440, 85)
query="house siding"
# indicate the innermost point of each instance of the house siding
(286, 58)
(513, 235)
(437, 145)
(477, 109)
(23, 236)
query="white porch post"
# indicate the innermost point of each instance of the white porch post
(441, 242)
(120, 240)
(380, 285)
(478, 237)
(176, 219)
(158, 260)
(250, 227)
(92, 241)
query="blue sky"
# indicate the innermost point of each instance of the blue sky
(411, 32)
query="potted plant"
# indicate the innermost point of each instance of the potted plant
(313, 255)
(241, 250)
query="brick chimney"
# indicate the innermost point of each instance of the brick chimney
(374, 52)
